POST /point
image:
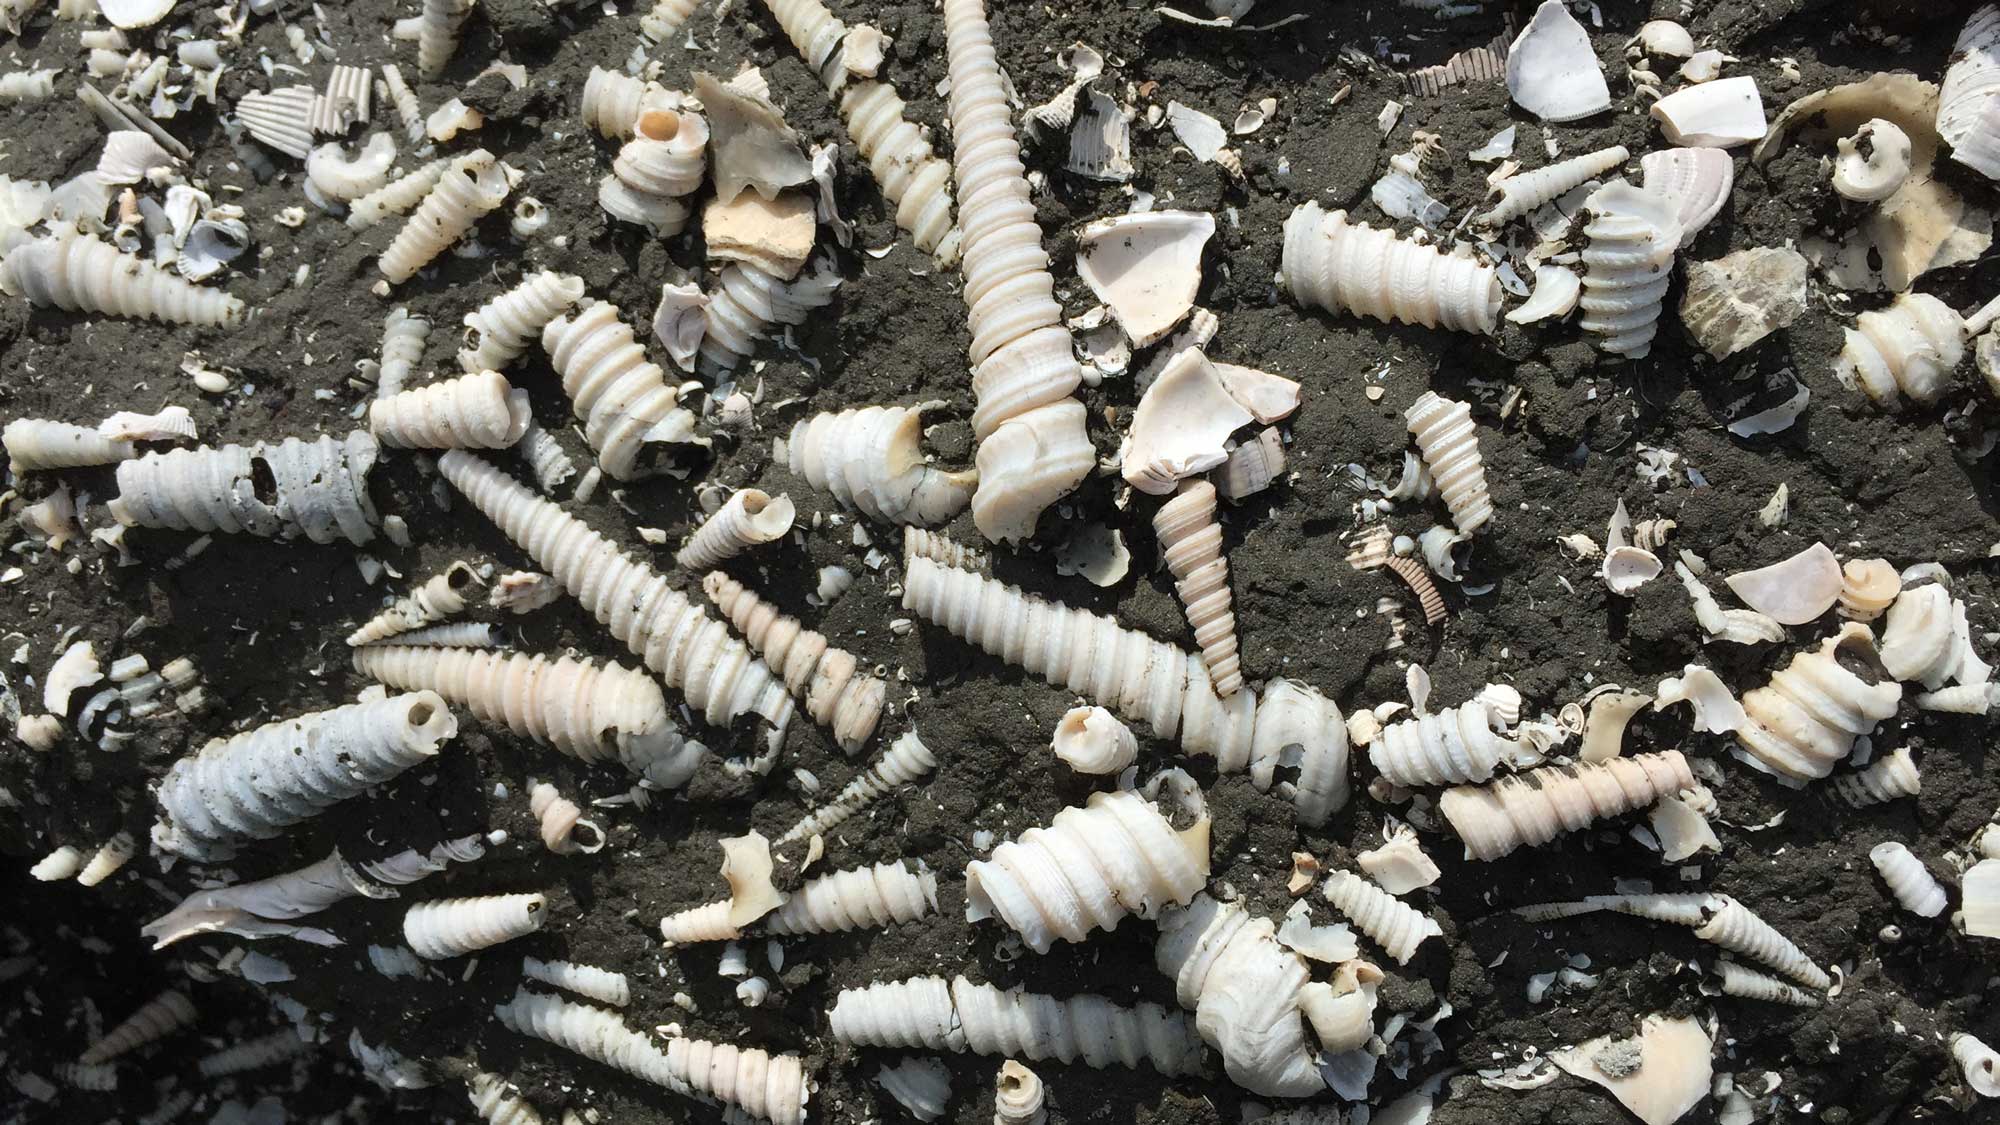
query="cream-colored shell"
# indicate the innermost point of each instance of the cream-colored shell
(667, 155)
(1449, 443)
(591, 712)
(772, 1087)
(558, 818)
(1390, 923)
(1532, 808)
(409, 111)
(906, 760)
(263, 1051)
(497, 1104)
(397, 196)
(1399, 866)
(38, 443)
(612, 101)
(690, 650)
(156, 1019)
(1455, 745)
(1342, 1013)
(253, 785)
(746, 303)
(601, 985)
(1018, 1096)
(941, 548)
(1087, 870)
(1091, 740)
(471, 186)
(829, 680)
(858, 898)
(898, 153)
(1293, 726)
(454, 926)
(871, 458)
(929, 1012)
(1524, 191)
(340, 177)
(1909, 349)
(705, 923)
(1628, 263)
(27, 86)
(1979, 1064)
(1927, 639)
(438, 27)
(1805, 721)
(1915, 888)
(1878, 173)
(109, 857)
(664, 18)
(60, 864)
(1191, 542)
(481, 411)
(1243, 988)
(1738, 980)
(546, 458)
(1732, 926)
(321, 489)
(1350, 267)
(1605, 721)
(403, 338)
(1867, 588)
(1892, 777)
(441, 596)
(748, 518)
(82, 273)
(622, 397)
(497, 332)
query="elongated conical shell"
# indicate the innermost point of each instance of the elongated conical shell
(1537, 806)
(318, 489)
(1732, 926)
(622, 397)
(1628, 264)
(471, 186)
(837, 694)
(1892, 777)
(481, 411)
(159, 1017)
(871, 458)
(498, 331)
(1525, 191)
(745, 303)
(1191, 541)
(1805, 721)
(1449, 443)
(1392, 924)
(79, 272)
(858, 898)
(453, 926)
(442, 596)
(1349, 267)
(1909, 349)
(906, 760)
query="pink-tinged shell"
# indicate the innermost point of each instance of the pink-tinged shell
(1794, 591)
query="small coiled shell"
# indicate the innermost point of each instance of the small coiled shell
(941, 548)
(1892, 777)
(318, 489)
(481, 411)
(1392, 924)
(497, 332)
(1748, 983)
(929, 1012)
(601, 985)
(690, 650)
(470, 186)
(1878, 172)
(837, 694)
(1350, 267)
(1243, 987)
(622, 397)
(1909, 349)
(1979, 1063)
(1092, 740)
(872, 459)
(112, 855)
(746, 303)
(438, 27)
(254, 1054)
(82, 273)
(1915, 888)
(906, 760)
(911, 177)
(1532, 808)
(1191, 540)
(1018, 1097)
(1805, 721)
(589, 711)
(397, 196)
(339, 177)
(559, 818)
(1628, 263)
(1525, 191)
(253, 785)
(613, 101)
(859, 898)
(1455, 745)
(442, 596)
(453, 926)
(156, 1019)
(496, 1102)
(1731, 925)
(1087, 870)
(37, 443)
(1449, 443)
(748, 518)
(1867, 587)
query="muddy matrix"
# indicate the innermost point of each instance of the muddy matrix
(1356, 562)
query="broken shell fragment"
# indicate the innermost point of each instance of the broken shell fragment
(1399, 866)
(1873, 163)
(1181, 424)
(1715, 709)
(1092, 740)
(1699, 180)
(1552, 72)
(1966, 102)
(131, 14)
(1712, 115)
(1867, 587)
(1979, 1063)
(1604, 726)
(1627, 568)
(1146, 267)
(1556, 293)
(1913, 346)
(1794, 591)
(1801, 724)
(1735, 301)
(1096, 552)
(1659, 1075)
(1628, 264)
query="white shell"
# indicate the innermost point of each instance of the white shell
(156, 1019)
(1018, 1097)
(1912, 347)
(77, 668)
(319, 489)
(665, 18)
(1343, 266)
(1737, 300)
(129, 155)
(871, 458)
(1715, 709)
(1525, 191)
(1342, 1013)
(1146, 267)
(80, 272)
(1610, 711)
(1753, 985)
(921, 1086)
(60, 864)
(1532, 808)
(746, 303)
(480, 411)
(1979, 896)
(601, 985)
(1927, 639)
(748, 518)
(1721, 114)
(1180, 424)
(454, 926)
(1243, 988)
(1628, 264)
(470, 186)
(906, 760)
(281, 119)
(1965, 110)
(1458, 744)
(495, 1101)
(403, 339)
(1916, 890)
(1555, 295)
(1731, 925)
(1793, 591)
(397, 196)
(36, 443)
(612, 101)
(438, 28)
(1092, 740)
(1892, 777)
(622, 397)
(1190, 539)
(265, 1050)
(1699, 180)
(1979, 1063)
(858, 898)
(1878, 173)
(1660, 1080)
(130, 14)
(1449, 443)
(674, 636)
(1395, 926)
(1552, 71)
(752, 146)
(253, 785)
(497, 332)
(210, 246)
(1253, 466)
(1806, 719)
(680, 322)
(1399, 866)
(898, 153)
(340, 177)
(829, 680)
(559, 818)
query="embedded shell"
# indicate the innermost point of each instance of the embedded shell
(1146, 267)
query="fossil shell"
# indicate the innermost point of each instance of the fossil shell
(1180, 425)
(749, 517)
(1926, 638)
(1190, 538)
(1092, 740)
(497, 332)
(480, 411)
(1532, 808)
(1979, 1064)
(1879, 172)
(559, 818)
(1626, 568)
(1699, 180)
(1628, 264)
(1399, 866)
(1914, 887)
(1552, 71)
(1793, 591)
(1390, 923)
(1806, 719)
(1525, 191)
(1735, 301)
(281, 119)
(1556, 293)
(1966, 113)
(749, 141)
(1345, 266)
(680, 322)
(441, 596)
(1243, 986)
(1720, 114)
(1342, 1012)
(828, 680)
(1659, 1075)
(1715, 709)
(627, 407)
(872, 459)
(130, 14)
(1449, 443)
(1604, 725)
(1867, 588)
(1018, 1096)
(1912, 347)
(1146, 267)
(921, 1086)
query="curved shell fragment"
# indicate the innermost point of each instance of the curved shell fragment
(1146, 267)
(1793, 591)
(1552, 72)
